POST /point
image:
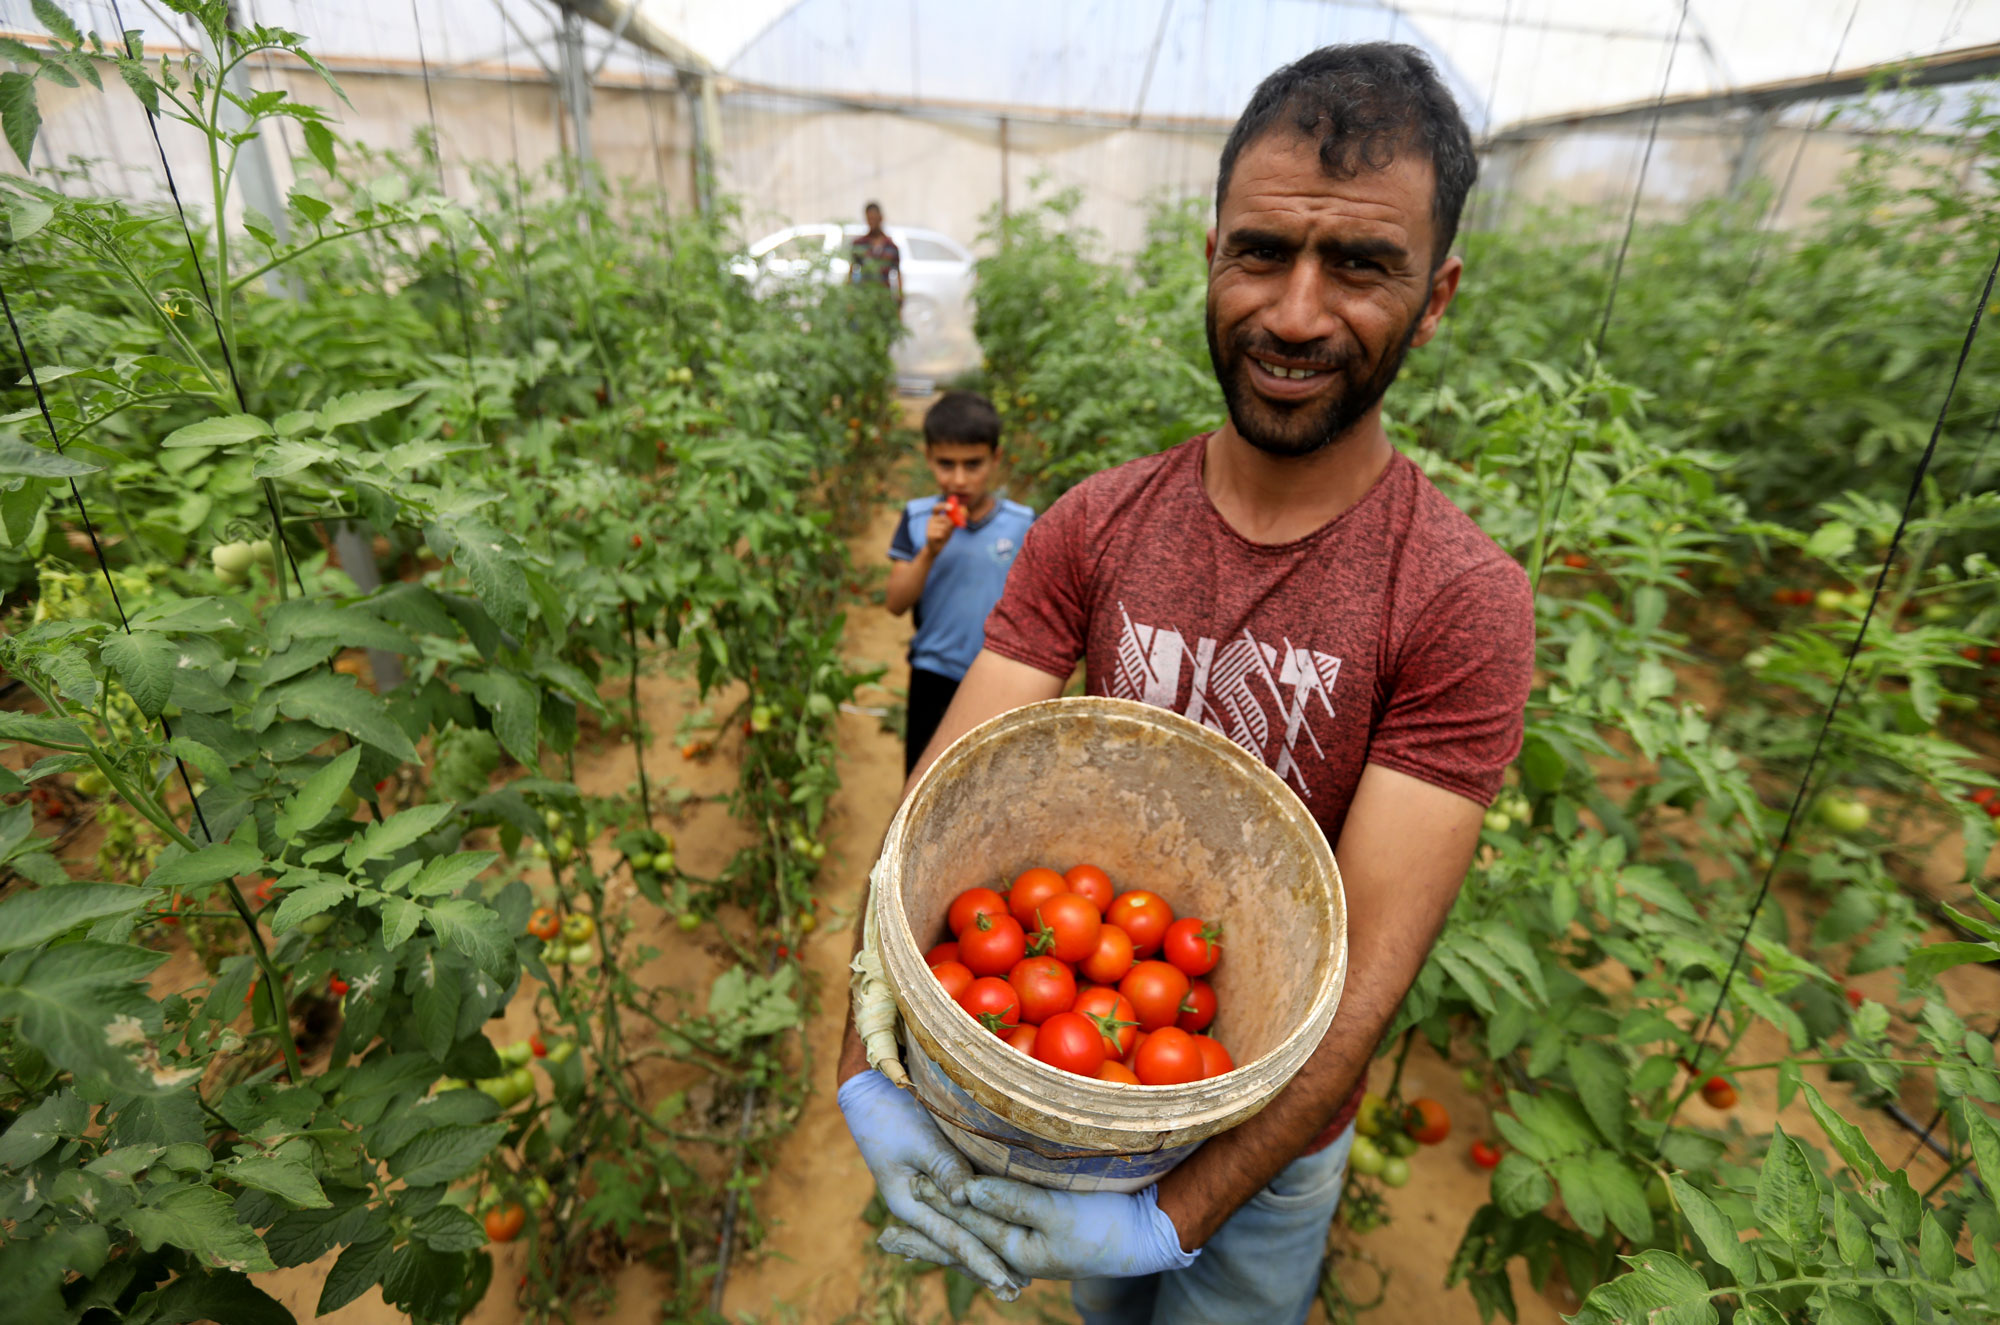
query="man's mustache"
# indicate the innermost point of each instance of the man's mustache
(1318, 355)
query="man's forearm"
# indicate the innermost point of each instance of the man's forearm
(1207, 1187)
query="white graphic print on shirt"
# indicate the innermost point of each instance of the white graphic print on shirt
(1228, 686)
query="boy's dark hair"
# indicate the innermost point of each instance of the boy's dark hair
(871, 206)
(1365, 103)
(962, 416)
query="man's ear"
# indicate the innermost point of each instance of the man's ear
(1208, 254)
(1444, 285)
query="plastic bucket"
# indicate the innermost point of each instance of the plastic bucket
(1158, 802)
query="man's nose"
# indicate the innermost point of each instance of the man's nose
(1300, 315)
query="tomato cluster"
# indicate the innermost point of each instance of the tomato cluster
(1092, 981)
(1387, 1135)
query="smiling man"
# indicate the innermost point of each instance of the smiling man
(1294, 582)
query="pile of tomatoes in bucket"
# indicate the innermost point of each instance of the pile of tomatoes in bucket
(1100, 984)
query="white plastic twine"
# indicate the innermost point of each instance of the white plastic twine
(874, 997)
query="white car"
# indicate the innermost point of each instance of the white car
(937, 287)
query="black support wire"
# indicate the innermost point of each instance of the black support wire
(1799, 797)
(278, 539)
(520, 194)
(451, 243)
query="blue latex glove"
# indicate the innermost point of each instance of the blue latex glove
(1044, 1234)
(904, 1148)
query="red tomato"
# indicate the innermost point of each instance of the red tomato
(1215, 1059)
(1113, 1070)
(1113, 957)
(1143, 915)
(1092, 882)
(505, 1222)
(1485, 1155)
(1719, 1093)
(1138, 1043)
(1046, 988)
(1156, 990)
(1169, 1057)
(1198, 1008)
(1070, 1041)
(1066, 927)
(1022, 1038)
(991, 945)
(1112, 1013)
(992, 1003)
(970, 903)
(1034, 887)
(954, 976)
(1193, 946)
(1428, 1122)
(1855, 998)
(943, 952)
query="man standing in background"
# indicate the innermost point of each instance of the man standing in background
(873, 258)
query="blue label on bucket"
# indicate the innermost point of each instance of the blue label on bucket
(1020, 1160)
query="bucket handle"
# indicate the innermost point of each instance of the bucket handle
(1028, 1142)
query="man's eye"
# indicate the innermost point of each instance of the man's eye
(1362, 264)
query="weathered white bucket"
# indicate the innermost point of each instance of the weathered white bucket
(1158, 802)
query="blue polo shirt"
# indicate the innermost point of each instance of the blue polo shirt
(964, 582)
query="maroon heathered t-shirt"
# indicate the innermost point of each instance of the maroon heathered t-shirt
(1397, 634)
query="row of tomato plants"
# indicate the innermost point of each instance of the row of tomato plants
(583, 450)
(1598, 928)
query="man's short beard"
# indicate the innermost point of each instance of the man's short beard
(1313, 425)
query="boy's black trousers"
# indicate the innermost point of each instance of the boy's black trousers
(930, 696)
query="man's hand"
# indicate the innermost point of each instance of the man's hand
(904, 1150)
(1043, 1234)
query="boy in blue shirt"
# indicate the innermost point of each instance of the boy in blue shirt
(951, 554)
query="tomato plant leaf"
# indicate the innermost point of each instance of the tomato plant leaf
(1787, 1201)
(1520, 1187)
(1716, 1231)
(35, 1132)
(1577, 1178)
(358, 1269)
(315, 618)
(452, 1106)
(1928, 962)
(319, 141)
(221, 430)
(386, 837)
(516, 711)
(201, 1221)
(1847, 1139)
(1661, 1289)
(56, 21)
(1850, 1235)
(488, 560)
(1622, 1193)
(448, 1228)
(20, 118)
(307, 893)
(361, 406)
(19, 459)
(445, 1153)
(435, 999)
(199, 1295)
(211, 864)
(337, 701)
(1840, 1309)
(317, 795)
(447, 874)
(30, 918)
(299, 1236)
(144, 660)
(474, 931)
(1601, 1086)
(400, 918)
(40, 729)
(287, 1177)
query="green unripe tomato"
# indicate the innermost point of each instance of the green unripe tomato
(555, 954)
(553, 818)
(538, 1193)
(560, 1051)
(578, 928)
(663, 861)
(1757, 660)
(688, 922)
(232, 560)
(318, 924)
(808, 923)
(1935, 613)
(1396, 1171)
(448, 1084)
(1829, 600)
(564, 848)
(1471, 1080)
(761, 718)
(348, 800)
(523, 1082)
(1498, 821)
(1843, 814)
(516, 1054)
(260, 552)
(90, 782)
(1402, 1144)
(1657, 1197)
(1366, 1158)
(500, 1090)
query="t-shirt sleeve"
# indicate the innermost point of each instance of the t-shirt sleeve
(1460, 693)
(1043, 616)
(902, 547)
